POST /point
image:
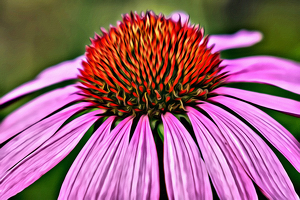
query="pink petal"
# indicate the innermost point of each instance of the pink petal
(185, 172)
(101, 164)
(64, 71)
(140, 164)
(265, 69)
(175, 16)
(77, 179)
(30, 139)
(253, 153)
(35, 110)
(242, 38)
(140, 177)
(281, 104)
(276, 134)
(46, 156)
(227, 175)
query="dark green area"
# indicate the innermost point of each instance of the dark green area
(36, 34)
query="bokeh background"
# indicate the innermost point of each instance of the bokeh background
(35, 34)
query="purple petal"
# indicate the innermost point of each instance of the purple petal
(227, 175)
(253, 153)
(265, 69)
(77, 179)
(30, 139)
(140, 179)
(175, 16)
(185, 172)
(100, 164)
(141, 165)
(64, 71)
(46, 156)
(281, 104)
(242, 38)
(35, 110)
(276, 134)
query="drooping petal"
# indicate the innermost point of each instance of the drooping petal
(275, 133)
(41, 107)
(281, 104)
(64, 71)
(227, 175)
(265, 69)
(46, 156)
(180, 15)
(242, 38)
(253, 153)
(140, 175)
(27, 141)
(79, 173)
(185, 172)
(101, 165)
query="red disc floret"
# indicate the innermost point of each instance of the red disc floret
(149, 64)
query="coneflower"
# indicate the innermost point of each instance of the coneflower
(148, 81)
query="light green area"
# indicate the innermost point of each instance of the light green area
(35, 34)
(160, 131)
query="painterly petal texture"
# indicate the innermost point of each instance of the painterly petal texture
(253, 153)
(288, 106)
(242, 38)
(45, 157)
(140, 175)
(185, 173)
(64, 71)
(42, 106)
(276, 134)
(80, 173)
(228, 176)
(265, 69)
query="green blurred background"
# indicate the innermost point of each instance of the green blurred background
(35, 34)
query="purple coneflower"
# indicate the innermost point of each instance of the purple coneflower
(155, 80)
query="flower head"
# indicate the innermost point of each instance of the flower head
(149, 64)
(154, 80)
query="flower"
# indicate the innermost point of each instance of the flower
(149, 81)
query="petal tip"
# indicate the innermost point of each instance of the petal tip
(256, 36)
(180, 15)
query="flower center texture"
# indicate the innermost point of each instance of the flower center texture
(149, 64)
